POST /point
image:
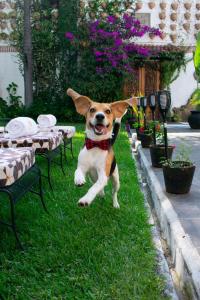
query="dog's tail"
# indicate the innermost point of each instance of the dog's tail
(74, 95)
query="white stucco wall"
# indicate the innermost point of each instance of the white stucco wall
(9, 72)
(183, 86)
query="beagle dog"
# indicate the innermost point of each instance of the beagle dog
(97, 157)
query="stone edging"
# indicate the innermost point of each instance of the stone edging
(185, 257)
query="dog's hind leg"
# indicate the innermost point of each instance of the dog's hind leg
(94, 176)
(116, 186)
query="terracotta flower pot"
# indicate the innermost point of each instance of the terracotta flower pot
(104, 5)
(117, 15)
(13, 25)
(198, 6)
(163, 5)
(151, 4)
(197, 16)
(163, 35)
(188, 5)
(186, 26)
(173, 37)
(173, 27)
(176, 175)
(91, 4)
(104, 15)
(162, 26)
(152, 36)
(12, 5)
(197, 26)
(174, 6)
(82, 4)
(173, 16)
(92, 15)
(187, 15)
(162, 15)
(3, 25)
(127, 4)
(138, 5)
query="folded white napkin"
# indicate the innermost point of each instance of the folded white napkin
(46, 121)
(46, 129)
(21, 126)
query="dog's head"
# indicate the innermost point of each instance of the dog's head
(99, 116)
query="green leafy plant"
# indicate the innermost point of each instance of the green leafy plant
(182, 158)
(171, 65)
(195, 99)
(12, 106)
(196, 58)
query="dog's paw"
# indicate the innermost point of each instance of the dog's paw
(116, 205)
(83, 202)
(79, 179)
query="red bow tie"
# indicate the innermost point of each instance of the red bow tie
(103, 145)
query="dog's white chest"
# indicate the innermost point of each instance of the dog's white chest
(93, 158)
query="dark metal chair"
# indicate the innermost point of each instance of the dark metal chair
(17, 190)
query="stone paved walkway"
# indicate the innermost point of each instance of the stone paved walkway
(186, 206)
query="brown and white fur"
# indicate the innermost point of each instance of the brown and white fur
(97, 162)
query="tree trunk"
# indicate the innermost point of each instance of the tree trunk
(28, 64)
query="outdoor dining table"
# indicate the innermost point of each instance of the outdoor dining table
(45, 144)
(18, 175)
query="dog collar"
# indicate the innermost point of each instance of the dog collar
(103, 145)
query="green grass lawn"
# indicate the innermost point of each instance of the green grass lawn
(82, 253)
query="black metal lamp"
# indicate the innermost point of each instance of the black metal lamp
(164, 102)
(138, 108)
(143, 102)
(152, 104)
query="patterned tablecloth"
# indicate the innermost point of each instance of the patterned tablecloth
(41, 141)
(14, 162)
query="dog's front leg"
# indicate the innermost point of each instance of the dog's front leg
(97, 187)
(79, 176)
(82, 168)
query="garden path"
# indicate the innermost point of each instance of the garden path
(179, 215)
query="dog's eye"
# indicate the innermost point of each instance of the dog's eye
(108, 111)
(92, 110)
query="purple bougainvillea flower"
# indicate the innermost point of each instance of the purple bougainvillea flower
(111, 19)
(69, 36)
(98, 53)
(118, 42)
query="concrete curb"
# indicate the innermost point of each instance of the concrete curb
(162, 264)
(185, 258)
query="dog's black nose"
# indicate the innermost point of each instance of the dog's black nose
(100, 117)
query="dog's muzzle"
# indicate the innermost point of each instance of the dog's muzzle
(99, 125)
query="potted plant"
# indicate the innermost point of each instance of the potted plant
(157, 150)
(145, 136)
(194, 118)
(178, 173)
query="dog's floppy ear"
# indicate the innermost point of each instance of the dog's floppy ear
(82, 103)
(119, 107)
